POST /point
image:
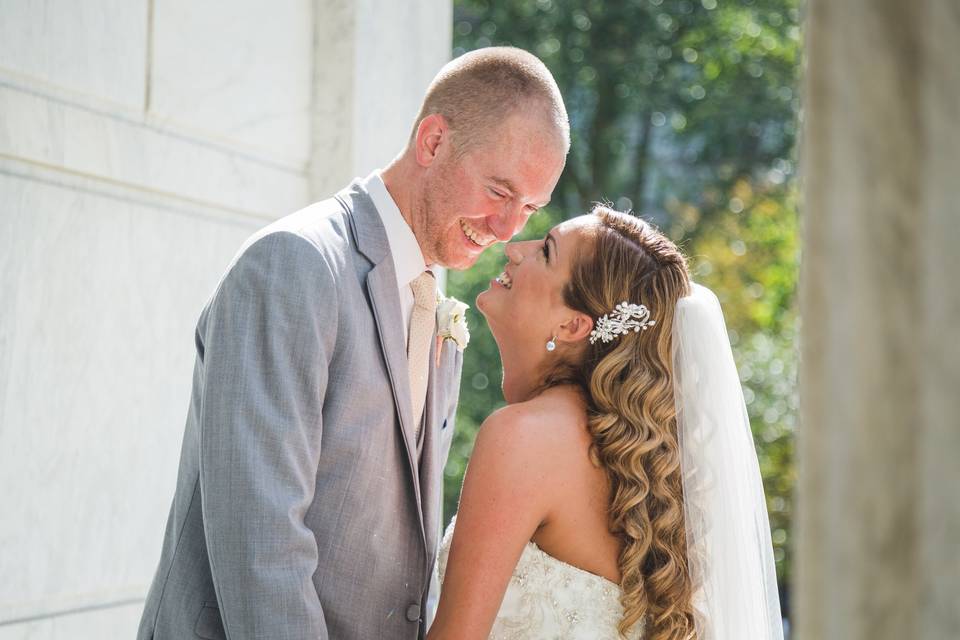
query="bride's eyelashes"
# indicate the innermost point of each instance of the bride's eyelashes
(545, 250)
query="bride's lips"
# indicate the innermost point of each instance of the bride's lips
(505, 280)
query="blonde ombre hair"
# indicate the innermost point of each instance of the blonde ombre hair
(632, 418)
(477, 91)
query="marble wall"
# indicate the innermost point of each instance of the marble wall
(878, 520)
(140, 142)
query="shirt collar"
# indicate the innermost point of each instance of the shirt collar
(407, 257)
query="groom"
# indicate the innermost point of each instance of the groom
(308, 496)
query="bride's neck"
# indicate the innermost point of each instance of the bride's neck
(521, 379)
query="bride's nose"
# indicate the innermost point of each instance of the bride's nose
(513, 253)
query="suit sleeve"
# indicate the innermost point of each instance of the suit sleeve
(267, 344)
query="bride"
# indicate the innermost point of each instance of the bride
(617, 495)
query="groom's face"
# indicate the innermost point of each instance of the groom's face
(487, 194)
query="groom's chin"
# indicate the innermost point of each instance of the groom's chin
(459, 261)
(463, 263)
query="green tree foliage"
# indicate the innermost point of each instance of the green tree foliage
(684, 110)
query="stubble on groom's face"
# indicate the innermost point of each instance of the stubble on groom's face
(472, 200)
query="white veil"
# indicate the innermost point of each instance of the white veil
(728, 533)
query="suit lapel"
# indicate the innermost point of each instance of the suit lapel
(385, 302)
(431, 471)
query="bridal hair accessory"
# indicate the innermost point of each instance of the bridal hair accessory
(625, 318)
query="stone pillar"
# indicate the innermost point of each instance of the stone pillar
(878, 526)
(373, 64)
(141, 141)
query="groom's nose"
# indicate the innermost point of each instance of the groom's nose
(508, 222)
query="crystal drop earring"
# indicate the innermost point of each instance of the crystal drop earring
(552, 344)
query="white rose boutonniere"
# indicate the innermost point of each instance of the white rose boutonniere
(452, 323)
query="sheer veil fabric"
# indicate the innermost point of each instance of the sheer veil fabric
(728, 532)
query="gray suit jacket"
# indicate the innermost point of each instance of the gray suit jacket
(302, 509)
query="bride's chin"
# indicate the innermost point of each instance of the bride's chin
(481, 301)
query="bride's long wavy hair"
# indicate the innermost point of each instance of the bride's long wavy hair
(632, 417)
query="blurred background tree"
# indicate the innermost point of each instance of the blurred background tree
(684, 111)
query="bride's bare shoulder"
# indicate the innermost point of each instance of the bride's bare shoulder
(552, 423)
(525, 457)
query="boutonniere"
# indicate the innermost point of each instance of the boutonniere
(451, 323)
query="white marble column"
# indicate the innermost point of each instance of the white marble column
(141, 141)
(374, 61)
(878, 523)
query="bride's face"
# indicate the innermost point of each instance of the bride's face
(524, 304)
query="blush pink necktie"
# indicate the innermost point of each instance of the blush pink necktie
(422, 327)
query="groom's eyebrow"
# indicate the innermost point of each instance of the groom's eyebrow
(505, 183)
(509, 186)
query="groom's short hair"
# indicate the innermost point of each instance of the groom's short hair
(480, 89)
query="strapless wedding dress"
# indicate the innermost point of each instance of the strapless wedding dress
(549, 599)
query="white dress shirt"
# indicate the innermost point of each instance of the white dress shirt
(408, 260)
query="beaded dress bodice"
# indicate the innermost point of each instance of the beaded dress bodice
(549, 599)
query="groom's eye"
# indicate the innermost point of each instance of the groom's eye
(496, 194)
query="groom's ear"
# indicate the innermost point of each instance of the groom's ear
(432, 134)
(576, 329)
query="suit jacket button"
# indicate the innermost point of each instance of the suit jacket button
(413, 612)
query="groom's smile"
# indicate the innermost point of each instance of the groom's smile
(478, 239)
